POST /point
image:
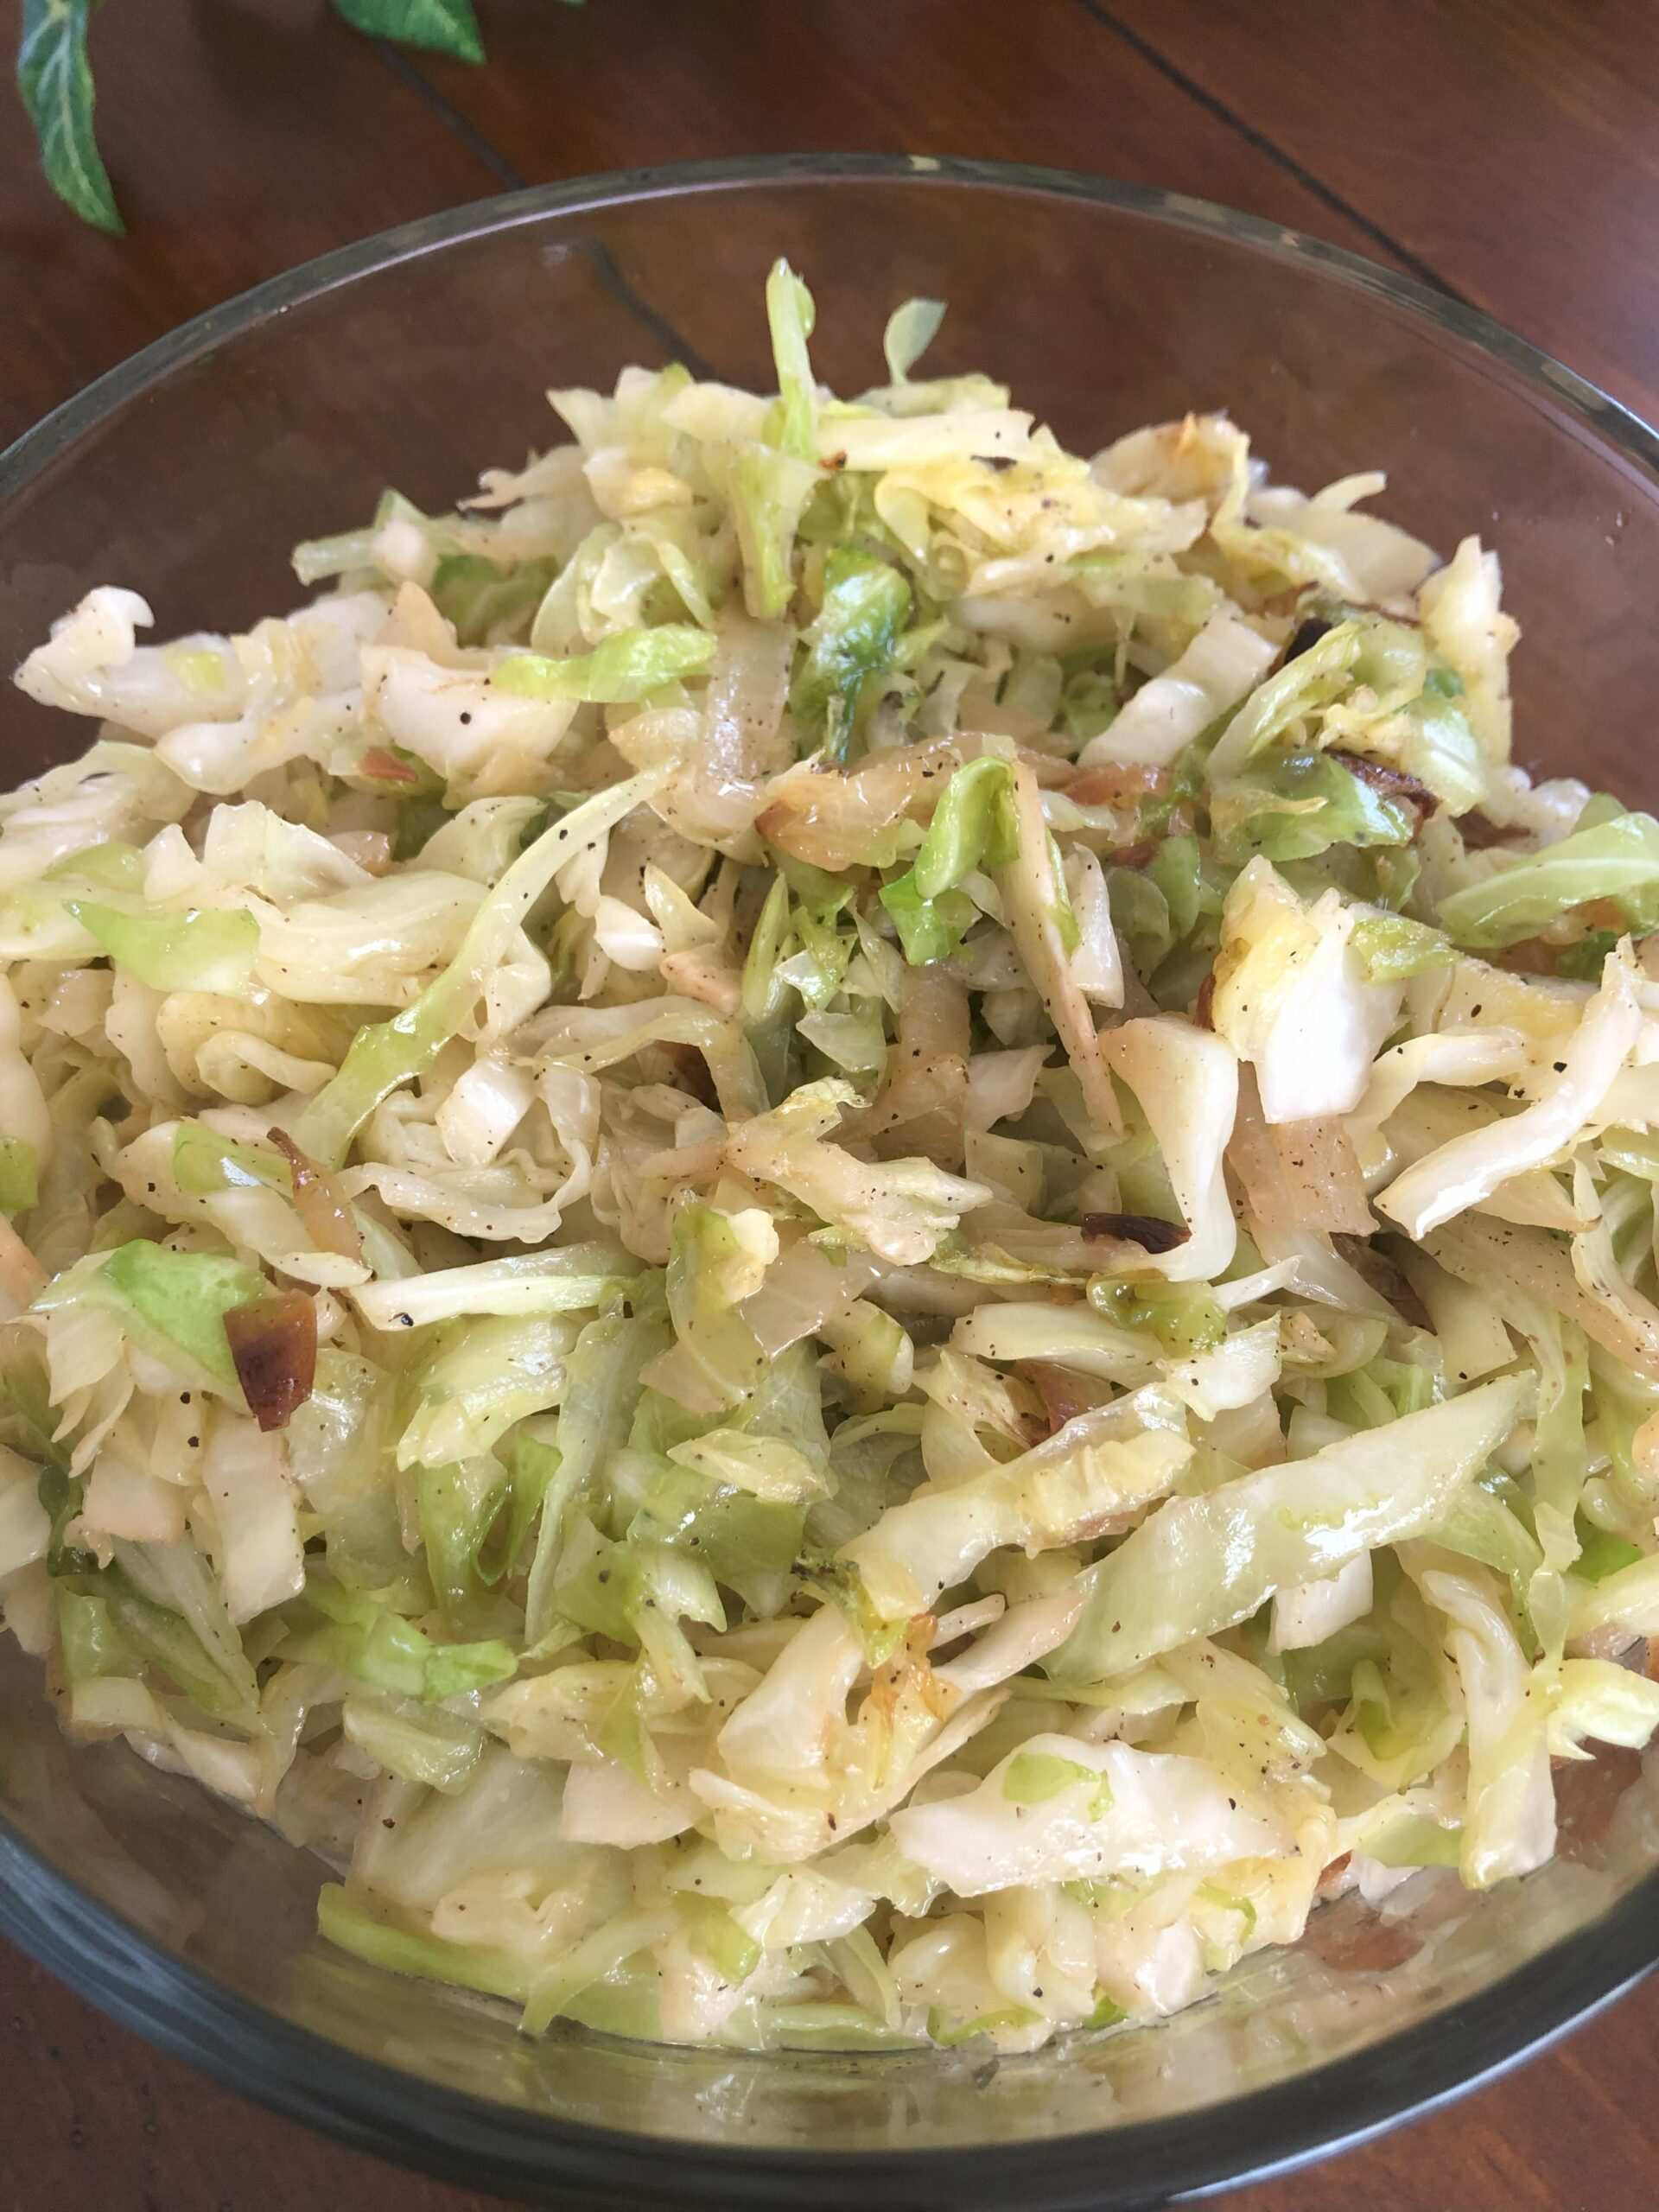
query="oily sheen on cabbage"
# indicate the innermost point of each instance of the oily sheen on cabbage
(840, 1232)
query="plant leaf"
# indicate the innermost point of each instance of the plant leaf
(445, 26)
(55, 80)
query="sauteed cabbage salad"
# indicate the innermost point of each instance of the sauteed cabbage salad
(842, 1232)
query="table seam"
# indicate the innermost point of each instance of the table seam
(1253, 135)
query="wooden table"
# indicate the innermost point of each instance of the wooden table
(1505, 149)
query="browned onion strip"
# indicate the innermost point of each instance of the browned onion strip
(273, 1342)
(1392, 783)
(1297, 1174)
(1065, 1393)
(924, 1095)
(1321, 1170)
(717, 798)
(1028, 892)
(1144, 1230)
(831, 817)
(320, 1202)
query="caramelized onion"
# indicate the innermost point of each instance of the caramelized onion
(1389, 782)
(1065, 1393)
(273, 1342)
(385, 767)
(1117, 783)
(922, 1104)
(716, 798)
(1297, 1174)
(321, 1203)
(1143, 1228)
(833, 816)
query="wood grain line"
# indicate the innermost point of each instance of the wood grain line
(1154, 56)
(411, 73)
(598, 254)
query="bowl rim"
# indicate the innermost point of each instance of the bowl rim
(413, 2121)
(375, 2108)
(1611, 419)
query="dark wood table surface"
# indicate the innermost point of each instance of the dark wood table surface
(1506, 150)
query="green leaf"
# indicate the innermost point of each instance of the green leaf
(114, 867)
(707, 1253)
(174, 1302)
(1185, 1316)
(929, 929)
(1060, 910)
(1087, 702)
(1301, 688)
(61, 1496)
(1601, 1553)
(205, 1163)
(973, 826)
(89, 1642)
(354, 1631)
(479, 1378)
(948, 2037)
(910, 330)
(1202, 1563)
(443, 26)
(1142, 913)
(824, 950)
(627, 666)
(385, 1054)
(1391, 947)
(476, 593)
(1617, 860)
(602, 1392)
(531, 1466)
(316, 558)
(166, 1640)
(19, 1175)
(421, 1743)
(24, 1389)
(714, 1935)
(1323, 1671)
(866, 605)
(1416, 1840)
(184, 1297)
(614, 1585)
(762, 995)
(1032, 1778)
(767, 492)
(493, 1972)
(458, 1506)
(55, 79)
(790, 315)
(207, 951)
(1301, 806)
(1584, 961)
(421, 819)
(748, 1543)
(1177, 870)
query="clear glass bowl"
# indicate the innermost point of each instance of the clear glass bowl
(421, 356)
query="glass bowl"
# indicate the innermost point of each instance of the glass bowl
(416, 359)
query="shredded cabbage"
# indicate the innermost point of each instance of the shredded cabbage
(841, 1229)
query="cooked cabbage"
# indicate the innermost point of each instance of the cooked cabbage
(768, 1223)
